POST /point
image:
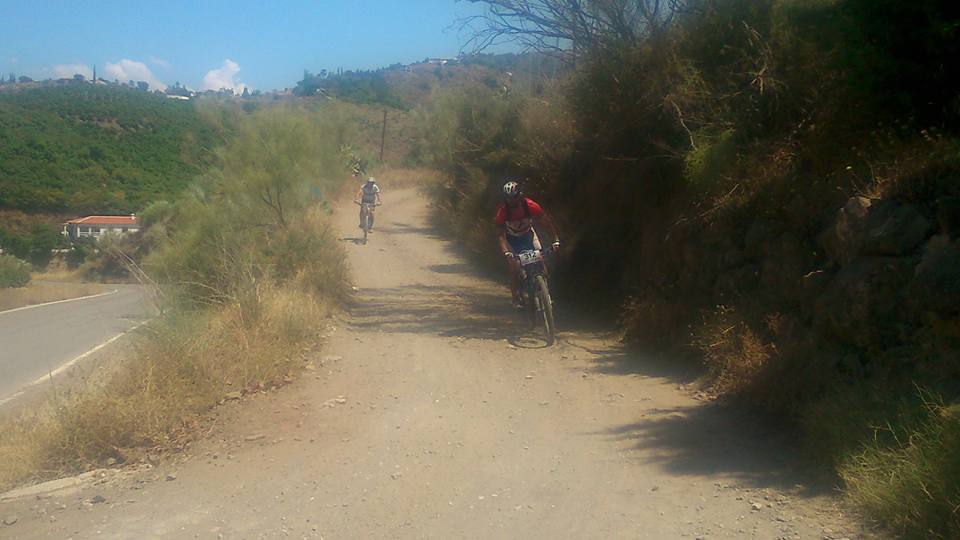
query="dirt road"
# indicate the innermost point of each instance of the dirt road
(425, 418)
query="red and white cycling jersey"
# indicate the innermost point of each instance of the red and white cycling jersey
(518, 222)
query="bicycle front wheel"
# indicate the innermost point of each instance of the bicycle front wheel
(546, 309)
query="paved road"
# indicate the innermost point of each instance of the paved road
(38, 340)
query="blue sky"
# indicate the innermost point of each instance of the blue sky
(260, 44)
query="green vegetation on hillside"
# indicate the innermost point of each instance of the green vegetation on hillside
(362, 87)
(764, 185)
(85, 148)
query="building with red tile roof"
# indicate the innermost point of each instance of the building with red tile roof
(98, 226)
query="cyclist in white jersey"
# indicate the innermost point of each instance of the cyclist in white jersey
(369, 193)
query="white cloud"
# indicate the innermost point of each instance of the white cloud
(67, 71)
(224, 77)
(129, 70)
(159, 62)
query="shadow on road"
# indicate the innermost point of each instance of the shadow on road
(451, 311)
(403, 228)
(624, 360)
(705, 438)
(713, 439)
(354, 241)
(459, 268)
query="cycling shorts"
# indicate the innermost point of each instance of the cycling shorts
(524, 242)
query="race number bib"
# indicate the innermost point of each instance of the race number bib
(529, 257)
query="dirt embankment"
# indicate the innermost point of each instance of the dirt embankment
(429, 414)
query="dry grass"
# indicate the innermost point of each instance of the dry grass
(181, 368)
(59, 274)
(38, 293)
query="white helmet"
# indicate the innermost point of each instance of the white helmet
(511, 189)
(371, 180)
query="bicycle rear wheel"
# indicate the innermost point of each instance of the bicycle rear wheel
(546, 309)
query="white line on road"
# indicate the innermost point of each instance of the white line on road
(70, 363)
(11, 398)
(58, 302)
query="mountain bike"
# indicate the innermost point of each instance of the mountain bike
(366, 218)
(536, 292)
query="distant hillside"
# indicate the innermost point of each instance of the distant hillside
(85, 148)
(415, 83)
(360, 87)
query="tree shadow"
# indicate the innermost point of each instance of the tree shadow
(713, 439)
(396, 227)
(625, 360)
(354, 241)
(704, 439)
(449, 311)
(458, 268)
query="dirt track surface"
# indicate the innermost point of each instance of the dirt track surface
(426, 417)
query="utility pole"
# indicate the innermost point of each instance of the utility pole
(383, 134)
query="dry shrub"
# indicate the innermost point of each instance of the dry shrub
(309, 257)
(734, 352)
(182, 367)
(654, 321)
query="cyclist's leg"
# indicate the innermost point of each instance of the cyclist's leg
(517, 244)
(372, 215)
(514, 268)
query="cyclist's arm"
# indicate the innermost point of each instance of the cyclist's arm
(551, 228)
(358, 197)
(500, 222)
(379, 198)
(504, 245)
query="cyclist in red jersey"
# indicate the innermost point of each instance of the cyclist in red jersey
(516, 215)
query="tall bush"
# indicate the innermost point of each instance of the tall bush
(242, 225)
(13, 272)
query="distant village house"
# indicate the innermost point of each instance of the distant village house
(99, 226)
